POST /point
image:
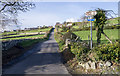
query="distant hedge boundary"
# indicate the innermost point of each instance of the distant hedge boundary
(93, 28)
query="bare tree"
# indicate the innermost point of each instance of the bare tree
(10, 9)
(84, 21)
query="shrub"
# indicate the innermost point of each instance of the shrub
(80, 49)
(59, 38)
(73, 29)
(108, 27)
(117, 27)
(61, 45)
(112, 27)
(64, 29)
(108, 52)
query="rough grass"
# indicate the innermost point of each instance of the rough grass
(57, 37)
(30, 42)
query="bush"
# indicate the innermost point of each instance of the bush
(48, 34)
(112, 27)
(73, 29)
(61, 45)
(59, 38)
(82, 29)
(108, 52)
(117, 27)
(64, 29)
(80, 49)
(108, 27)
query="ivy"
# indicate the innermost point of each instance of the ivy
(99, 23)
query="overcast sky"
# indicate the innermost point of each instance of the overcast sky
(48, 13)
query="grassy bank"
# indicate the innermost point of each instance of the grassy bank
(29, 43)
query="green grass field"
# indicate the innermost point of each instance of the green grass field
(17, 35)
(26, 37)
(111, 22)
(38, 30)
(28, 31)
(17, 38)
(111, 33)
(5, 33)
(76, 27)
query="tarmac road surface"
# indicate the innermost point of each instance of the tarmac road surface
(46, 60)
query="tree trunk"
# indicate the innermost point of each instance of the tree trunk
(107, 37)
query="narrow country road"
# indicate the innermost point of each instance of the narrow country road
(45, 61)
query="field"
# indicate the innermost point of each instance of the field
(26, 40)
(24, 36)
(27, 31)
(76, 27)
(111, 33)
(18, 38)
(39, 30)
(110, 22)
(16, 44)
(113, 21)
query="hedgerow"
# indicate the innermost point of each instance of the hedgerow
(108, 52)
